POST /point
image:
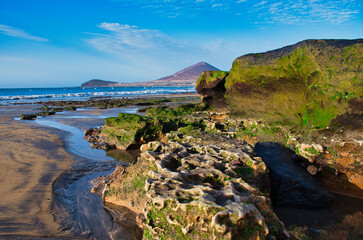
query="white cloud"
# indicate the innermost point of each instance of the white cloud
(306, 12)
(16, 32)
(216, 5)
(127, 40)
(262, 12)
(152, 49)
(157, 51)
(260, 3)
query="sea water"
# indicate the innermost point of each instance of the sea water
(32, 95)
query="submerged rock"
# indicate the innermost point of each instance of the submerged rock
(28, 116)
(291, 184)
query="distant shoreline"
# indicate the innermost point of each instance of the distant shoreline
(36, 95)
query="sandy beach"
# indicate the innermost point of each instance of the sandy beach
(46, 172)
(31, 158)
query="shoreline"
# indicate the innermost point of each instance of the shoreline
(81, 124)
(102, 98)
(38, 161)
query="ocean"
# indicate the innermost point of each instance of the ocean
(32, 95)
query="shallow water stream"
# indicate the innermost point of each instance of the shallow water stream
(80, 212)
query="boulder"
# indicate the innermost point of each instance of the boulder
(290, 183)
(88, 132)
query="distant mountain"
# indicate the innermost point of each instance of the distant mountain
(98, 83)
(186, 77)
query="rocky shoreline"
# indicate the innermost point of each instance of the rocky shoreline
(198, 159)
(280, 128)
(200, 162)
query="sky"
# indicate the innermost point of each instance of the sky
(58, 43)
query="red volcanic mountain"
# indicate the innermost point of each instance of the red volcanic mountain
(186, 77)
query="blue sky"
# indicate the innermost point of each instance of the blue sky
(55, 43)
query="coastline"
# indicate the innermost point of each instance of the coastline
(38, 162)
(61, 139)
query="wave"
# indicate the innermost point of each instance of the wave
(86, 95)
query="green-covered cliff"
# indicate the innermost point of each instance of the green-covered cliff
(306, 84)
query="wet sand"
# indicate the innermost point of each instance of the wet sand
(45, 177)
(31, 158)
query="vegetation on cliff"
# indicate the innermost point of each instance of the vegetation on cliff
(306, 84)
(303, 96)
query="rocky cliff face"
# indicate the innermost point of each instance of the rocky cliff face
(304, 95)
(211, 87)
(305, 84)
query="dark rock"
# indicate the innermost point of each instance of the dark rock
(290, 183)
(28, 116)
(210, 86)
(88, 132)
(143, 109)
(45, 113)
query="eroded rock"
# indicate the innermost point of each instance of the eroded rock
(199, 186)
(199, 192)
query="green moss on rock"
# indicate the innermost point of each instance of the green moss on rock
(129, 129)
(306, 84)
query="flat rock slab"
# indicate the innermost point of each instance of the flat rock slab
(290, 183)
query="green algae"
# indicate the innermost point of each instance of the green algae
(306, 86)
(209, 76)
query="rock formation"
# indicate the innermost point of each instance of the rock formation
(308, 83)
(210, 86)
(202, 187)
(305, 95)
(198, 181)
